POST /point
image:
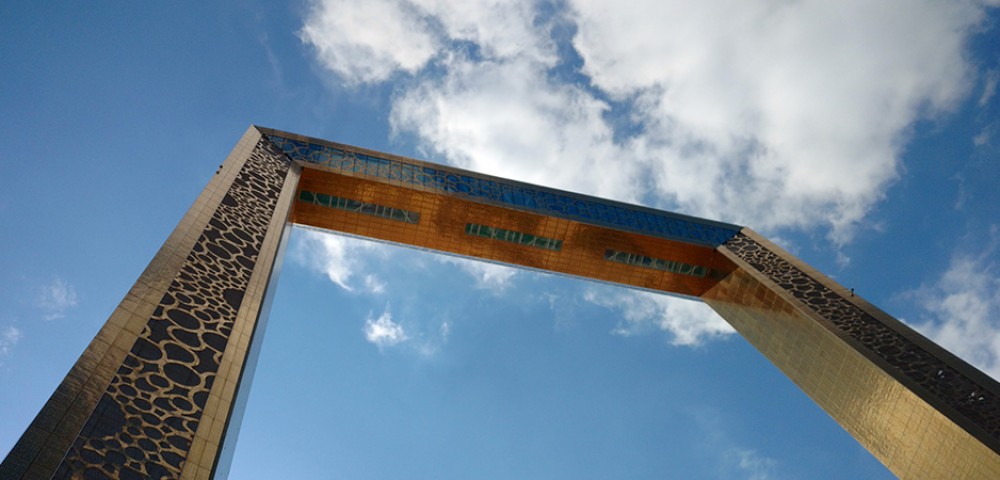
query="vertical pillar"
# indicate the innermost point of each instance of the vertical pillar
(153, 393)
(920, 410)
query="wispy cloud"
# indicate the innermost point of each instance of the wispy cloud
(9, 336)
(373, 284)
(383, 332)
(734, 460)
(687, 322)
(341, 259)
(962, 310)
(488, 276)
(56, 298)
(724, 116)
(985, 135)
(750, 463)
(990, 80)
(445, 330)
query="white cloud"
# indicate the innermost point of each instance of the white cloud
(9, 336)
(507, 118)
(734, 460)
(56, 298)
(990, 80)
(775, 114)
(500, 29)
(985, 135)
(445, 330)
(488, 276)
(383, 332)
(962, 311)
(688, 322)
(342, 259)
(373, 284)
(368, 40)
(751, 463)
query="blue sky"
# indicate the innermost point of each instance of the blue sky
(864, 137)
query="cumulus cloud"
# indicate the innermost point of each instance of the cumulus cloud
(9, 336)
(501, 29)
(55, 298)
(962, 311)
(687, 322)
(383, 332)
(508, 118)
(367, 41)
(775, 114)
(341, 259)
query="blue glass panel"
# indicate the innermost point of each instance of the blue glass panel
(545, 202)
(357, 206)
(513, 237)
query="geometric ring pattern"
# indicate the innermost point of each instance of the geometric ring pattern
(145, 422)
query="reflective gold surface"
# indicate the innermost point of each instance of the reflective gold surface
(904, 431)
(443, 221)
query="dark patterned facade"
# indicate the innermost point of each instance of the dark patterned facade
(145, 422)
(941, 381)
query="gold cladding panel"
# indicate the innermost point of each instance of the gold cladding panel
(903, 431)
(442, 227)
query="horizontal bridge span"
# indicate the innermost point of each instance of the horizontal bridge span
(457, 225)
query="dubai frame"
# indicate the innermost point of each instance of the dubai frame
(157, 390)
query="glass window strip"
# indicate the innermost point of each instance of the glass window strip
(351, 205)
(511, 236)
(671, 266)
(551, 203)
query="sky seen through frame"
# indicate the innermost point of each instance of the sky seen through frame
(862, 137)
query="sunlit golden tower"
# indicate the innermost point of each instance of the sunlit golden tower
(160, 390)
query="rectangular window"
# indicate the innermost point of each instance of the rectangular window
(655, 263)
(356, 206)
(513, 237)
